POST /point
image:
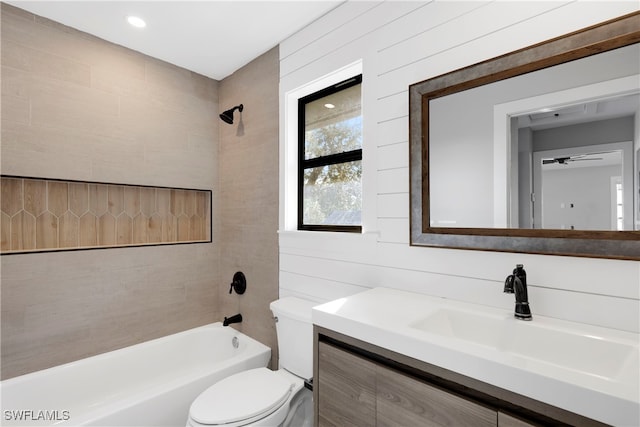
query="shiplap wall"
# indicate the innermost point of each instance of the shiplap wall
(400, 43)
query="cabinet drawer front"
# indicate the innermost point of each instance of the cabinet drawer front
(505, 420)
(402, 400)
(346, 388)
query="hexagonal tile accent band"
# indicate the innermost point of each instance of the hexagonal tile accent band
(41, 215)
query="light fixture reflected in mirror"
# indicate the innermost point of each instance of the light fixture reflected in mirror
(227, 116)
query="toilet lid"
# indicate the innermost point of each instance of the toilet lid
(241, 396)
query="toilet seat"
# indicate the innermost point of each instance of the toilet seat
(241, 398)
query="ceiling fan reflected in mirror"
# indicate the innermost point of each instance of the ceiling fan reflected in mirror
(565, 160)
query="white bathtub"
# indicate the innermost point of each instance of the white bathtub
(148, 384)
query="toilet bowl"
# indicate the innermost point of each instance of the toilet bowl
(262, 397)
(257, 397)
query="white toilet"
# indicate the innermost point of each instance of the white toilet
(262, 397)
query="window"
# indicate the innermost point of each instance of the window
(330, 158)
(618, 204)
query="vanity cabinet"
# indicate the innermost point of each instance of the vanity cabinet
(353, 391)
(358, 384)
(347, 389)
(405, 401)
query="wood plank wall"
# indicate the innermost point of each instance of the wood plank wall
(400, 43)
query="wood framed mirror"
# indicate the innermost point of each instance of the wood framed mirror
(492, 146)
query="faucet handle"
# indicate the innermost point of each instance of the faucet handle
(239, 283)
(509, 283)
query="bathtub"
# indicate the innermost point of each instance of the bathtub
(148, 384)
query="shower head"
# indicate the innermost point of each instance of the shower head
(227, 116)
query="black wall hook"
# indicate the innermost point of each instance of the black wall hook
(239, 283)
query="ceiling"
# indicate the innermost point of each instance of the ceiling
(590, 111)
(210, 37)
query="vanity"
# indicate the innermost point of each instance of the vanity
(391, 357)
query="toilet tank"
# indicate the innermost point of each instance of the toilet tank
(295, 335)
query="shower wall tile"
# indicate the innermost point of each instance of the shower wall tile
(106, 230)
(78, 109)
(35, 197)
(22, 231)
(123, 230)
(57, 198)
(88, 233)
(78, 198)
(98, 200)
(147, 201)
(249, 208)
(132, 201)
(46, 231)
(140, 233)
(69, 230)
(115, 199)
(12, 196)
(5, 232)
(73, 215)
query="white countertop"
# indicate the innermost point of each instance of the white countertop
(388, 318)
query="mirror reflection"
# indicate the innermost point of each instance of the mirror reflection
(550, 149)
(580, 179)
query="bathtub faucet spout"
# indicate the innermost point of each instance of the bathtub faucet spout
(233, 319)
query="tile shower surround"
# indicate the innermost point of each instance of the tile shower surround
(44, 215)
(79, 108)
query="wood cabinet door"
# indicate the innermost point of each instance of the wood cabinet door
(346, 388)
(405, 401)
(505, 420)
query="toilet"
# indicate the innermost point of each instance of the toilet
(262, 397)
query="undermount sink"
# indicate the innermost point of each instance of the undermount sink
(552, 342)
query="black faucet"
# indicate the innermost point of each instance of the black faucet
(517, 283)
(237, 318)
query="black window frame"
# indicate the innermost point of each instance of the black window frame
(332, 159)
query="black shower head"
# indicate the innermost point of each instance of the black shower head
(227, 116)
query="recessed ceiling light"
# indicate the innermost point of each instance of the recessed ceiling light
(329, 106)
(136, 22)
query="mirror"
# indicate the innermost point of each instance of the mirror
(533, 151)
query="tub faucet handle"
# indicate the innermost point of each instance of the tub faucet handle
(239, 283)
